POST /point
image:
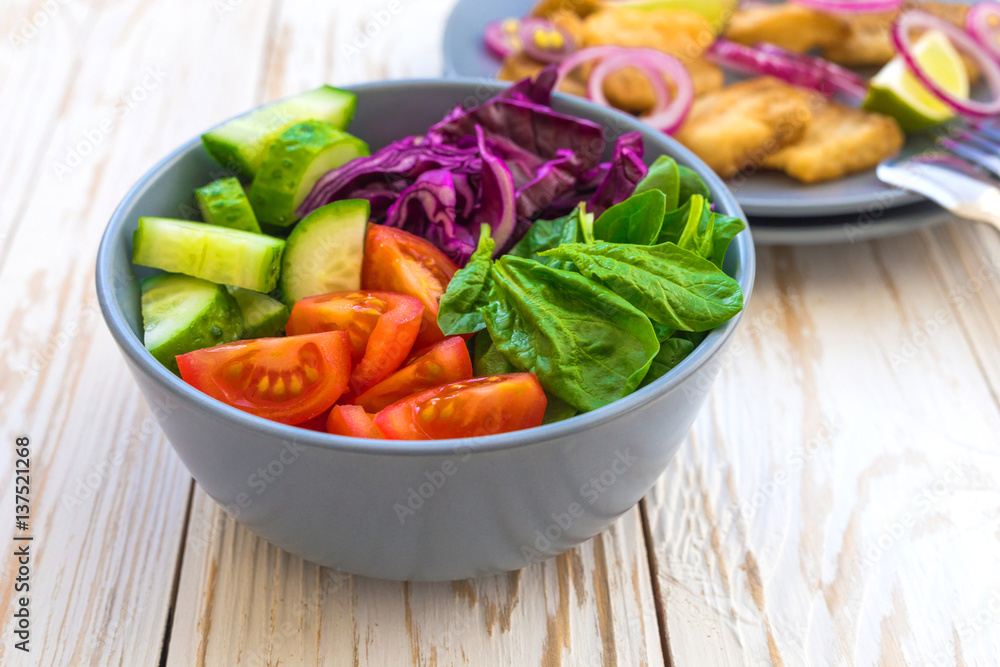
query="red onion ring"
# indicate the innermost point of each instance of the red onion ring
(671, 107)
(852, 6)
(545, 53)
(503, 37)
(795, 68)
(983, 23)
(989, 67)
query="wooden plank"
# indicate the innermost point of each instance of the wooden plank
(109, 496)
(245, 602)
(832, 504)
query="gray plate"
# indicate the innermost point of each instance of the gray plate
(850, 228)
(765, 194)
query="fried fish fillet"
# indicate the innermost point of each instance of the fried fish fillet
(788, 25)
(838, 141)
(741, 125)
(869, 42)
(546, 8)
(679, 32)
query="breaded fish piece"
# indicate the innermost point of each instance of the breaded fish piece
(788, 25)
(839, 141)
(679, 32)
(743, 124)
(869, 42)
(546, 8)
(629, 89)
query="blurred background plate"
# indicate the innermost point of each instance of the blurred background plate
(765, 196)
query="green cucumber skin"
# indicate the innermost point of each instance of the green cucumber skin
(224, 203)
(240, 144)
(286, 175)
(218, 321)
(213, 253)
(263, 317)
(301, 263)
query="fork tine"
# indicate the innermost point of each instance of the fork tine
(989, 130)
(985, 143)
(975, 155)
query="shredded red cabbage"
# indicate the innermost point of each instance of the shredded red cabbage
(506, 162)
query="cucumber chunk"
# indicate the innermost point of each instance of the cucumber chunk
(224, 203)
(220, 255)
(240, 144)
(292, 165)
(263, 317)
(181, 314)
(325, 250)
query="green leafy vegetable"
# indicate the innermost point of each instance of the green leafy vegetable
(672, 352)
(487, 359)
(691, 184)
(726, 227)
(665, 177)
(547, 234)
(556, 410)
(636, 220)
(663, 332)
(586, 344)
(672, 286)
(698, 232)
(467, 291)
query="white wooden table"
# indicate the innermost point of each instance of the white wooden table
(837, 503)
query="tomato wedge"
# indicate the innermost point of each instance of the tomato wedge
(288, 380)
(380, 328)
(480, 406)
(444, 362)
(397, 261)
(352, 420)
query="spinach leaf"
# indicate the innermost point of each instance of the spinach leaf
(557, 410)
(662, 332)
(691, 184)
(635, 220)
(671, 285)
(547, 234)
(665, 177)
(726, 227)
(467, 291)
(698, 232)
(672, 352)
(674, 223)
(487, 359)
(586, 344)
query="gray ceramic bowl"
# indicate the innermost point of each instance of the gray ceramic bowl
(437, 510)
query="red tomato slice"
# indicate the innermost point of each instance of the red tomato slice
(380, 327)
(317, 423)
(397, 261)
(444, 362)
(480, 406)
(352, 420)
(288, 380)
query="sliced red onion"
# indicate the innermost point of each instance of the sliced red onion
(503, 37)
(545, 41)
(852, 6)
(990, 68)
(671, 107)
(795, 68)
(983, 23)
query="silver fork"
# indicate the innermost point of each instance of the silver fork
(953, 178)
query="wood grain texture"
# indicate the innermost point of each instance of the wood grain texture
(244, 602)
(118, 85)
(835, 504)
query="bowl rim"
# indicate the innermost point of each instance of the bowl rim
(135, 352)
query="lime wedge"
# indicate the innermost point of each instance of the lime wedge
(896, 92)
